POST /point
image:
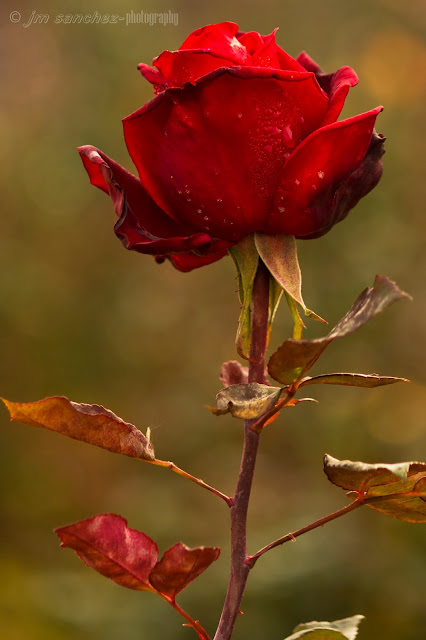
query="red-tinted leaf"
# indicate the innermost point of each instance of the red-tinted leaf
(367, 381)
(179, 566)
(397, 490)
(233, 372)
(109, 546)
(295, 357)
(86, 422)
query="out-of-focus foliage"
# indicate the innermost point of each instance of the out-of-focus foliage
(82, 317)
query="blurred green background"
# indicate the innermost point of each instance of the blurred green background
(82, 317)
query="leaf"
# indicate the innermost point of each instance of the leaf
(86, 422)
(246, 259)
(275, 293)
(346, 629)
(367, 381)
(397, 490)
(130, 558)
(233, 372)
(246, 401)
(179, 566)
(295, 357)
(109, 546)
(279, 253)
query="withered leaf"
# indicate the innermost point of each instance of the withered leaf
(367, 381)
(346, 629)
(89, 423)
(179, 566)
(295, 357)
(246, 401)
(130, 558)
(397, 490)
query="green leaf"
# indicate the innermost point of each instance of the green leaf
(246, 401)
(279, 253)
(366, 381)
(397, 490)
(295, 357)
(246, 259)
(346, 629)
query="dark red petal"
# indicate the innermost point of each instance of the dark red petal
(212, 154)
(358, 184)
(142, 225)
(308, 63)
(339, 84)
(188, 261)
(336, 85)
(107, 174)
(220, 39)
(178, 67)
(133, 236)
(303, 203)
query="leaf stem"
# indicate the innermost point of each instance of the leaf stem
(173, 467)
(239, 568)
(201, 632)
(251, 560)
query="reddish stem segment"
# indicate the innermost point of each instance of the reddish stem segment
(171, 465)
(239, 568)
(201, 632)
(251, 560)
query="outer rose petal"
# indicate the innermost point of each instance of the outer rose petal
(188, 261)
(211, 155)
(336, 85)
(219, 39)
(142, 225)
(358, 184)
(303, 204)
(178, 67)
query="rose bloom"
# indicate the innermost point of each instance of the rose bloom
(241, 137)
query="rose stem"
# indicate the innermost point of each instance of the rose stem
(239, 568)
(251, 560)
(171, 465)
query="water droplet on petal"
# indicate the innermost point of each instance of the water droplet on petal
(219, 200)
(297, 181)
(199, 211)
(206, 217)
(320, 174)
(287, 134)
(239, 115)
(281, 209)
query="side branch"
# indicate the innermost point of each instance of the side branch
(171, 465)
(251, 560)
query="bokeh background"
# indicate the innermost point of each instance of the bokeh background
(82, 317)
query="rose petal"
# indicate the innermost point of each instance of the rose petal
(224, 141)
(154, 77)
(188, 261)
(219, 39)
(178, 67)
(336, 85)
(304, 200)
(142, 225)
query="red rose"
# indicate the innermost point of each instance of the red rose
(239, 138)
